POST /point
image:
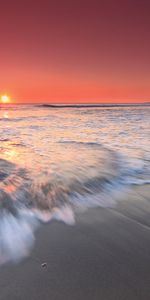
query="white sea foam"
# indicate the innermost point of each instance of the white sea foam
(64, 214)
(16, 237)
(17, 232)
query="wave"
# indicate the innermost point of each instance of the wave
(80, 143)
(27, 200)
(28, 118)
(17, 119)
(92, 105)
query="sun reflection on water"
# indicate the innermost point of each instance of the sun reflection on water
(5, 115)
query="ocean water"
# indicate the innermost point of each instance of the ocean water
(56, 162)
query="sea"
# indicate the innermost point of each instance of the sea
(58, 161)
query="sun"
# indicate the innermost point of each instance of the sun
(5, 99)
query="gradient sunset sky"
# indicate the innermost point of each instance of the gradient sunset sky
(75, 51)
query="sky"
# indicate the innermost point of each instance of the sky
(75, 51)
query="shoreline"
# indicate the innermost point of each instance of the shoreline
(105, 255)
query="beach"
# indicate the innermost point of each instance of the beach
(74, 203)
(105, 255)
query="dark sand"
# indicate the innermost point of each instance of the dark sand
(105, 256)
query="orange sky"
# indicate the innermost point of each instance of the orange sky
(75, 51)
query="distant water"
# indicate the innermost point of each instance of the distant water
(55, 162)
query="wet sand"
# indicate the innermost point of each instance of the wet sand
(106, 255)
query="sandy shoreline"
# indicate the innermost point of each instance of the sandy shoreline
(106, 255)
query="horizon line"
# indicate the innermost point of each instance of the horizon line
(47, 104)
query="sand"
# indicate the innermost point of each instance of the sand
(105, 256)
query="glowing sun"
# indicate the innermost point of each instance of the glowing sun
(5, 99)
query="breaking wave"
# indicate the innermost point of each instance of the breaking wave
(26, 199)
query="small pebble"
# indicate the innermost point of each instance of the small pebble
(44, 265)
